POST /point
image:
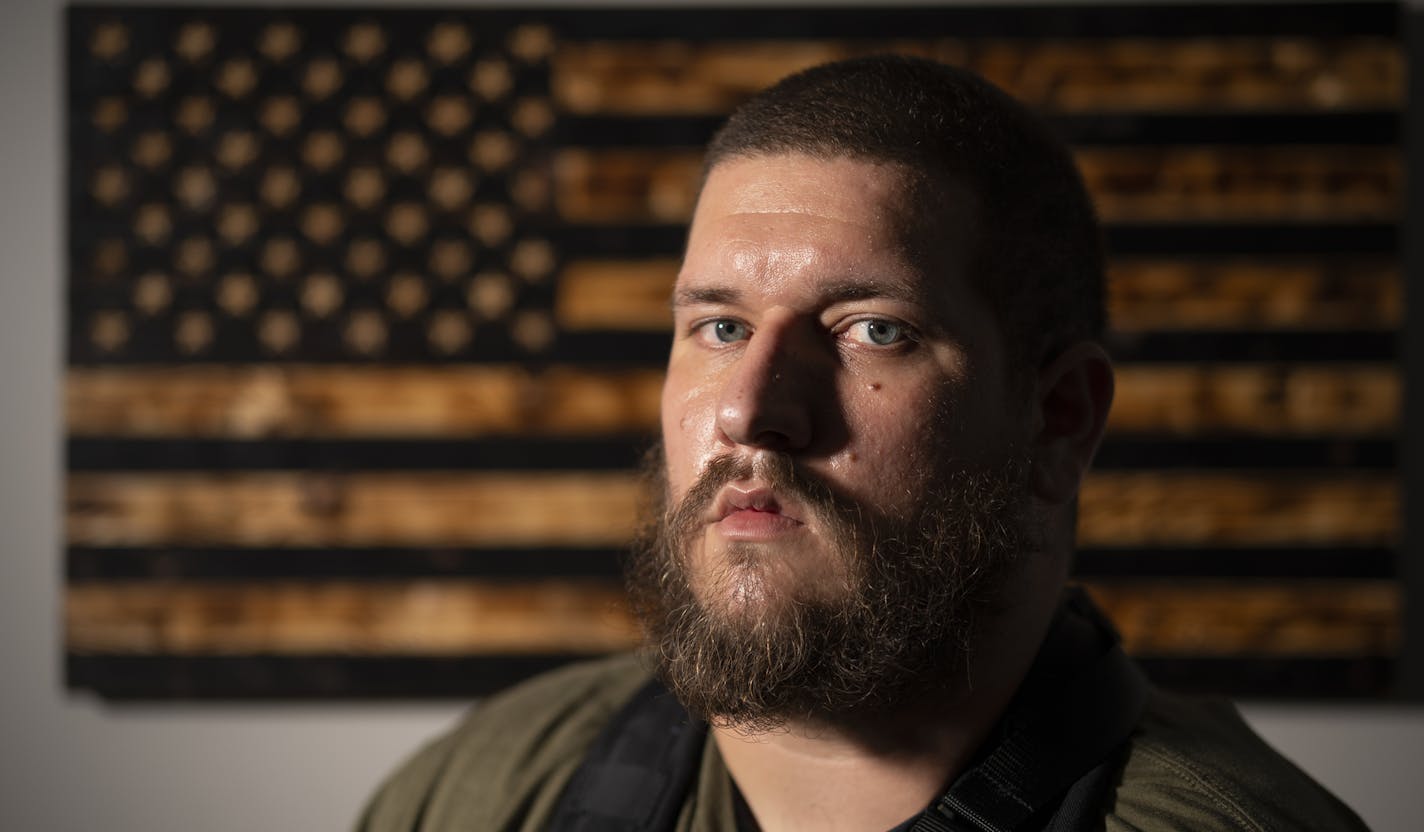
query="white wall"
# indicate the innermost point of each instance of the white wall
(71, 763)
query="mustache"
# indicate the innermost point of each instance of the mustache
(779, 472)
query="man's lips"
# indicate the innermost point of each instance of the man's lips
(746, 511)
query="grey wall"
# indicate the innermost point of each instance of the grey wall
(71, 763)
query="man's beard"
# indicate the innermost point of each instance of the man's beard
(917, 590)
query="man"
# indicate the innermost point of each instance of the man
(884, 389)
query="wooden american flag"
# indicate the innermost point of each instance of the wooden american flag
(367, 315)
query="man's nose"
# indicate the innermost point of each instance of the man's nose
(768, 399)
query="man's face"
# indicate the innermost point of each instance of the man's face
(835, 389)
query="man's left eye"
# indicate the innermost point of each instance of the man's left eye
(877, 332)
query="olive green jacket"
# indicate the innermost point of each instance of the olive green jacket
(1193, 765)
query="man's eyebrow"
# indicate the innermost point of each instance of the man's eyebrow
(839, 292)
(852, 290)
(694, 296)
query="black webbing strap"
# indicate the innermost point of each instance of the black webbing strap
(1054, 762)
(638, 770)
(1050, 766)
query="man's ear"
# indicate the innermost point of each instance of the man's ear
(1075, 391)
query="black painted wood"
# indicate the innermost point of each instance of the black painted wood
(219, 678)
(1411, 551)
(623, 452)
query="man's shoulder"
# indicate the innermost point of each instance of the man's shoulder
(1195, 764)
(507, 761)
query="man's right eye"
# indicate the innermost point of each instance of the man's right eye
(726, 330)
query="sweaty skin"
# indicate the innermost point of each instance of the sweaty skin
(810, 322)
(805, 324)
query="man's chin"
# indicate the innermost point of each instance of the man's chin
(747, 578)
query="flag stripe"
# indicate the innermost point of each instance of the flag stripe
(308, 676)
(1195, 239)
(1215, 618)
(273, 403)
(98, 564)
(332, 509)
(1175, 294)
(617, 452)
(256, 401)
(448, 616)
(1158, 184)
(465, 616)
(1122, 508)
(89, 564)
(693, 78)
(352, 509)
(1262, 399)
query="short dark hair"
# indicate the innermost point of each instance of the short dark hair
(1037, 256)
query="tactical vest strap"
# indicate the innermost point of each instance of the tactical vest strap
(637, 772)
(1054, 763)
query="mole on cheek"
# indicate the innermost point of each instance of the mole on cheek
(874, 387)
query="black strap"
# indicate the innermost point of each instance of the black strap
(1056, 744)
(637, 772)
(1050, 766)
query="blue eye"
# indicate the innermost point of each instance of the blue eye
(880, 333)
(727, 330)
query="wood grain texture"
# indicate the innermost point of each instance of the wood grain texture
(1143, 294)
(616, 295)
(1122, 508)
(1207, 618)
(590, 509)
(473, 617)
(1264, 400)
(1183, 183)
(1157, 294)
(1158, 184)
(355, 509)
(253, 401)
(1162, 75)
(428, 618)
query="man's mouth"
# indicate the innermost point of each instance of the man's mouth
(750, 511)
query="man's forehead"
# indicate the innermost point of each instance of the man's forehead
(795, 183)
(896, 238)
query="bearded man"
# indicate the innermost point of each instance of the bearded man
(886, 384)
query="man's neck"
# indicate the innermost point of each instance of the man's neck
(808, 776)
(872, 773)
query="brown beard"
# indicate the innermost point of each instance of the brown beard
(918, 587)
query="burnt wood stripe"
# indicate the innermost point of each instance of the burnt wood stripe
(1146, 347)
(1364, 127)
(1274, 678)
(1104, 564)
(353, 508)
(1297, 346)
(237, 678)
(621, 452)
(1253, 238)
(89, 564)
(1140, 452)
(1175, 294)
(612, 452)
(699, 23)
(1338, 401)
(242, 678)
(355, 401)
(458, 617)
(1164, 183)
(1179, 20)
(1195, 239)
